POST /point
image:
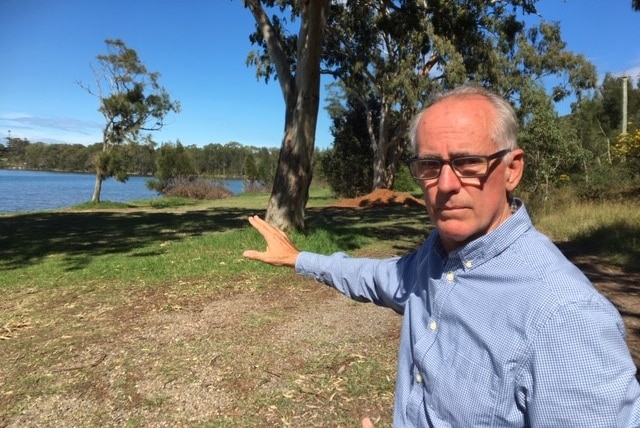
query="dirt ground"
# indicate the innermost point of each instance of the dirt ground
(288, 353)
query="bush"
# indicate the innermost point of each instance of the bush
(196, 189)
(404, 182)
(606, 182)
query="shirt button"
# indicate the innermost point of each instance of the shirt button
(419, 378)
(468, 264)
(433, 325)
(450, 276)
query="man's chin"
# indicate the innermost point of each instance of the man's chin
(454, 233)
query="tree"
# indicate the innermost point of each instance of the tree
(598, 122)
(551, 146)
(627, 151)
(296, 62)
(347, 166)
(398, 52)
(174, 164)
(131, 101)
(250, 169)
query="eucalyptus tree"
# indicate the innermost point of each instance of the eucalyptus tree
(295, 60)
(132, 102)
(398, 52)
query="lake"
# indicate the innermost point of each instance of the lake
(22, 191)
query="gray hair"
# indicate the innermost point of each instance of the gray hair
(505, 128)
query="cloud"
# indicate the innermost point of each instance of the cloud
(47, 128)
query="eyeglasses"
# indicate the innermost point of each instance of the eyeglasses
(463, 166)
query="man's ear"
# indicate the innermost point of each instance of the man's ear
(515, 169)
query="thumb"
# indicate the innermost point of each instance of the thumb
(251, 254)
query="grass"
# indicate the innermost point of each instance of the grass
(147, 314)
(608, 230)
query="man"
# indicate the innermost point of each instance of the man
(499, 328)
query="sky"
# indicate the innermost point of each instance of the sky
(200, 47)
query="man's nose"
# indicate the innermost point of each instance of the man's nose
(448, 180)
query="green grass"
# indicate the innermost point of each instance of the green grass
(205, 241)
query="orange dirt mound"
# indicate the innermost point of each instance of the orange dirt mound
(380, 198)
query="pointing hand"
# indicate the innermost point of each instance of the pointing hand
(280, 250)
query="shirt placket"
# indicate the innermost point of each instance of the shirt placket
(422, 385)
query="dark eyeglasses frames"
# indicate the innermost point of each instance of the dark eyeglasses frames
(463, 166)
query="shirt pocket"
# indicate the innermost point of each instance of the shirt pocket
(465, 390)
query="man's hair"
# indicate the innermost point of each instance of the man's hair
(505, 128)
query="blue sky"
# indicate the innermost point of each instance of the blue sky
(199, 47)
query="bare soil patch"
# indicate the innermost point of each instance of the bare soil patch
(380, 198)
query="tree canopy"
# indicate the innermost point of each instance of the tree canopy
(393, 54)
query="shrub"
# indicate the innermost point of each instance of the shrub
(196, 189)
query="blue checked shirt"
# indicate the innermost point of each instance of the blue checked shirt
(503, 332)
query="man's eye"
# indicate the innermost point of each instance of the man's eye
(467, 162)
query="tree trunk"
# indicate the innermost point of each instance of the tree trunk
(380, 173)
(385, 150)
(97, 189)
(286, 208)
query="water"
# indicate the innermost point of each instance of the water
(38, 190)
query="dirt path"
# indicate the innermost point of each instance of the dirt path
(623, 289)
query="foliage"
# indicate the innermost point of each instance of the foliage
(611, 159)
(174, 164)
(195, 188)
(551, 147)
(212, 160)
(398, 53)
(404, 182)
(607, 182)
(627, 150)
(258, 176)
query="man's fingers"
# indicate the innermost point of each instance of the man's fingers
(366, 423)
(260, 225)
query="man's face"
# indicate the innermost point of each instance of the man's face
(463, 209)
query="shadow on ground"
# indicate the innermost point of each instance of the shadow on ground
(28, 238)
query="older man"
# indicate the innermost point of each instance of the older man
(499, 328)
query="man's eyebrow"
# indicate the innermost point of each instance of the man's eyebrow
(451, 155)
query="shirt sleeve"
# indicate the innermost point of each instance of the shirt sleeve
(385, 282)
(580, 372)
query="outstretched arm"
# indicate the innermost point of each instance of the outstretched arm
(280, 250)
